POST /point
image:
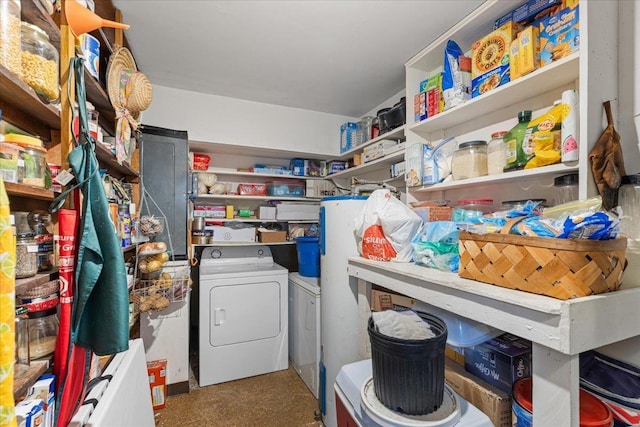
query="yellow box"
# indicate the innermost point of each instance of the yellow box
(514, 65)
(529, 50)
(490, 59)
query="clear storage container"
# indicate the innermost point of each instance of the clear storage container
(35, 165)
(469, 160)
(496, 153)
(26, 255)
(43, 332)
(472, 208)
(629, 201)
(11, 166)
(10, 51)
(566, 187)
(40, 63)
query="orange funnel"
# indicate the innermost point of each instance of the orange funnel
(81, 20)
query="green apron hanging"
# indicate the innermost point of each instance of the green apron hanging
(101, 301)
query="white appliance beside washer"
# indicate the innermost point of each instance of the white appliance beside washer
(304, 328)
(243, 314)
(357, 405)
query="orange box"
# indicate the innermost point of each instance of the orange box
(157, 372)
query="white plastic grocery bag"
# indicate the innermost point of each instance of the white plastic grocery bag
(385, 227)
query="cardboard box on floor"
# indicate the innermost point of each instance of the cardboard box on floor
(495, 403)
(157, 372)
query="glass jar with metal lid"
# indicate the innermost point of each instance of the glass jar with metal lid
(469, 160)
(40, 63)
(10, 36)
(35, 164)
(26, 255)
(40, 223)
(629, 201)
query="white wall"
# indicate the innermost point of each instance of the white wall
(223, 120)
(628, 125)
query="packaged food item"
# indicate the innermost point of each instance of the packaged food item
(559, 35)
(40, 63)
(35, 165)
(456, 77)
(11, 168)
(515, 158)
(469, 160)
(490, 59)
(472, 208)
(542, 139)
(434, 95)
(514, 59)
(528, 50)
(436, 165)
(40, 223)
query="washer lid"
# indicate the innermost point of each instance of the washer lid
(310, 284)
(447, 415)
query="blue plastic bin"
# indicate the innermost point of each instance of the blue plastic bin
(308, 256)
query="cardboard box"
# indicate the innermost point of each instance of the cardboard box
(420, 107)
(228, 234)
(434, 213)
(500, 361)
(30, 413)
(398, 169)
(347, 136)
(44, 389)
(157, 372)
(559, 35)
(272, 236)
(514, 59)
(495, 403)
(489, 59)
(336, 166)
(298, 212)
(529, 12)
(266, 212)
(528, 50)
(384, 300)
(454, 355)
(377, 150)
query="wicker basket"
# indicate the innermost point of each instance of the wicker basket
(559, 268)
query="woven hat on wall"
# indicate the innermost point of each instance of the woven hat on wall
(128, 88)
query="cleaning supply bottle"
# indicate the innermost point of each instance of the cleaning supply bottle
(515, 157)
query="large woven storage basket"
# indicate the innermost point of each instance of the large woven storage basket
(559, 268)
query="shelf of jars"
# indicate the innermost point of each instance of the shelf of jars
(510, 177)
(395, 133)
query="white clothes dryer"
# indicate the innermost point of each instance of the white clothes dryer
(243, 314)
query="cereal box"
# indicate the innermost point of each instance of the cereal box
(490, 59)
(157, 372)
(514, 60)
(528, 50)
(559, 35)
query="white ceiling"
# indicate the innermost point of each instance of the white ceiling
(343, 57)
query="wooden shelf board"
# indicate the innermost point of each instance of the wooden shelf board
(21, 190)
(21, 384)
(106, 156)
(16, 94)
(97, 95)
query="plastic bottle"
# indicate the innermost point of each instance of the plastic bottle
(515, 157)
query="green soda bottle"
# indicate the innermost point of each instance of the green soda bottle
(516, 158)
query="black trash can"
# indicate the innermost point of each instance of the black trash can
(408, 375)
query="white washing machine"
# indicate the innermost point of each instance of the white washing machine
(304, 328)
(243, 314)
(357, 405)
